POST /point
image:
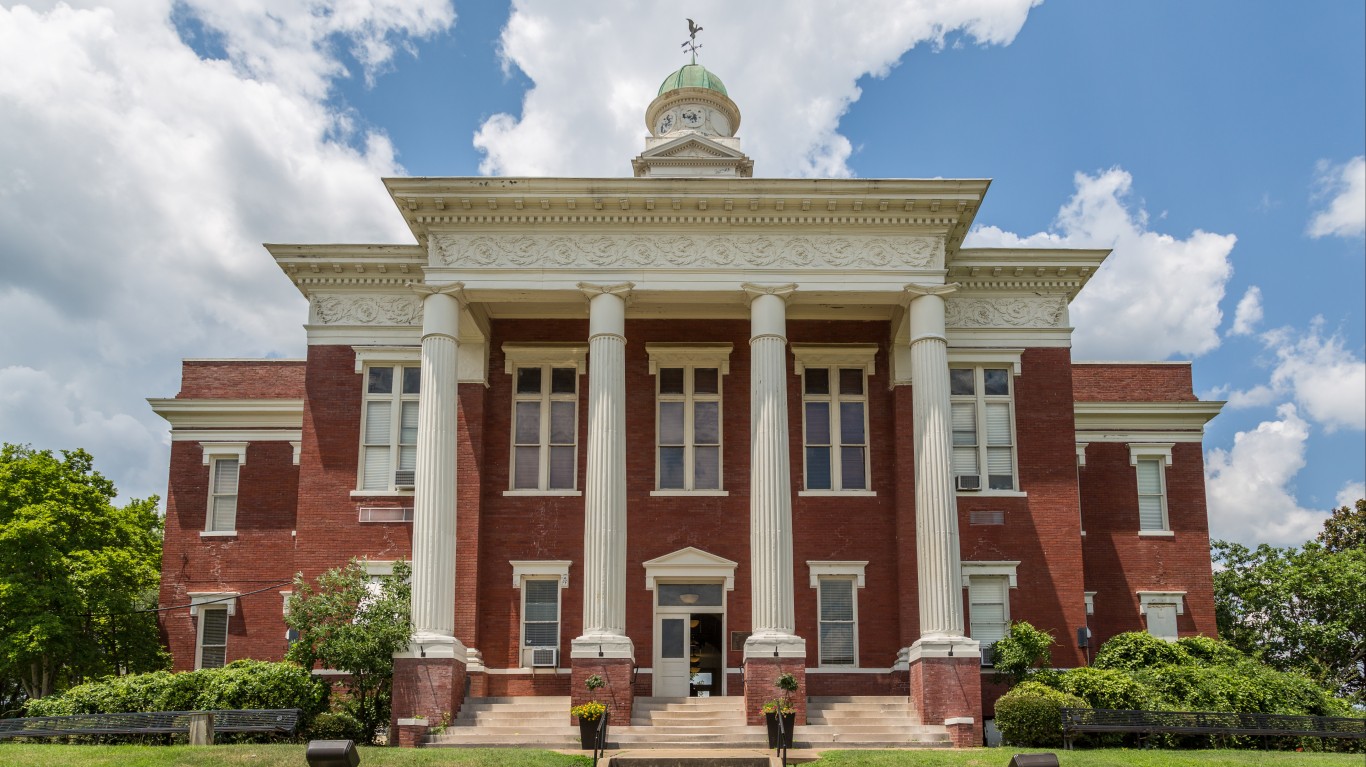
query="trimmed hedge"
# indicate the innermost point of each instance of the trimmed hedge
(1031, 714)
(336, 725)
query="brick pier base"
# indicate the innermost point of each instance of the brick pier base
(761, 675)
(426, 692)
(948, 691)
(617, 693)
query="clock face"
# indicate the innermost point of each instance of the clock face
(693, 117)
(666, 123)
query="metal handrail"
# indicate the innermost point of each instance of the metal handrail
(782, 740)
(600, 746)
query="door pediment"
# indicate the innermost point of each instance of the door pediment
(690, 563)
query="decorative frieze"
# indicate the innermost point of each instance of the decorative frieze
(1006, 312)
(689, 251)
(399, 309)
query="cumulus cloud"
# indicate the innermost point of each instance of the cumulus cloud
(1350, 493)
(1248, 313)
(137, 181)
(1167, 287)
(1248, 486)
(792, 70)
(1344, 188)
(1318, 372)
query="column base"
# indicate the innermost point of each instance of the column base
(617, 691)
(945, 685)
(428, 690)
(761, 676)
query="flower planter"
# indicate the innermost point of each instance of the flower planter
(588, 733)
(789, 723)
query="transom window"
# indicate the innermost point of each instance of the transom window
(545, 428)
(983, 428)
(689, 428)
(389, 428)
(835, 423)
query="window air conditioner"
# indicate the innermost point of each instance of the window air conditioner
(988, 651)
(544, 657)
(403, 479)
(968, 482)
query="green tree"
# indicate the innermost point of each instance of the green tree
(74, 571)
(1300, 609)
(350, 623)
(1021, 650)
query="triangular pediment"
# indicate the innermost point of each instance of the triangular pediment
(690, 563)
(693, 145)
(693, 154)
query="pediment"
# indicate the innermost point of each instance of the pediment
(691, 563)
(692, 146)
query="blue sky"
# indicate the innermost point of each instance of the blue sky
(149, 146)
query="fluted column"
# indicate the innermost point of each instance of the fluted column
(936, 508)
(770, 505)
(434, 499)
(604, 491)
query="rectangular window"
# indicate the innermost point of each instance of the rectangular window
(545, 428)
(222, 516)
(835, 425)
(688, 428)
(213, 637)
(540, 619)
(1162, 621)
(988, 610)
(1152, 495)
(389, 427)
(983, 426)
(838, 632)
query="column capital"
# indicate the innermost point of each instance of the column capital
(455, 290)
(753, 291)
(916, 290)
(592, 289)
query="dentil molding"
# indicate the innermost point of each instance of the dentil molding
(1006, 312)
(689, 250)
(402, 309)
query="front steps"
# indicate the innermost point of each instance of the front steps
(684, 724)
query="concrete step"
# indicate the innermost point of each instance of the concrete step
(699, 760)
(902, 729)
(822, 700)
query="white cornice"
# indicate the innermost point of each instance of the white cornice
(1035, 270)
(236, 435)
(340, 267)
(1109, 421)
(236, 413)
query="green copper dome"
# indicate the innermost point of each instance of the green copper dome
(692, 76)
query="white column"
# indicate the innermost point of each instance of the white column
(770, 484)
(938, 565)
(434, 499)
(604, 491)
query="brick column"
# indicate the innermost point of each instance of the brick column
(604, 648)
(943, 665)
(774, 647)
(429, 677)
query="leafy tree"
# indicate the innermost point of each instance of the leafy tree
(349, 623)
(74, 571)
(1300, 609)
(1022, 648)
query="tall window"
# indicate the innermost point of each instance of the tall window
(545, 428)
(1160, 608)
(839, 645)
(540, 620)
(1152, 494)
(835, 422)
(988, 610)
(213, 637)
(689, 428)
(983, 428)
(222, 516)
(389, 431)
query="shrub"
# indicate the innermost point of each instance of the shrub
(1139, 650)
(1030, 714)
(1106, 688)
(1023, 648)
(336, 725)
(1211, 652)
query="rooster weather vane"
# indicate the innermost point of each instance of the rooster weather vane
(691, 45)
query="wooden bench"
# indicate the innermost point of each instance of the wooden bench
(282, 721)
(1076, 721)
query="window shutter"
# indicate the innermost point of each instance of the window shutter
(987, 596)
(1150, 495)
(214, 639)
(837, 621)
(223, 516)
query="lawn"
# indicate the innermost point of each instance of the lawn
(48, 755)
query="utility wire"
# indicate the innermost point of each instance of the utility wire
(192, 604)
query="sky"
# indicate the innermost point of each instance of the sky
(148, 147)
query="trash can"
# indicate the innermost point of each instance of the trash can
(332, 753)
(1034, 760)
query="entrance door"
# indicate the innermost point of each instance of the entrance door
(671, 656)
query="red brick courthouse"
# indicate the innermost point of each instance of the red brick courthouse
(695, 426)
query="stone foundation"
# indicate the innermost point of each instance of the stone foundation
(760, 677)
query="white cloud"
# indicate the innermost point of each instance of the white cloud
(1325, 378)
(1248, 313)
(1345, 184)
(792, 68)
(1155, 296)
(1350, 493)
(1250, 500)
(137, 181)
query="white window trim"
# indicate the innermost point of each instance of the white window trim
(690, 565)
(1160, 452)
(214, 450)
(213, 453)
(1146, 598)
(542, 568)
(1007, 568)
(1141, 450)
(212, 599)
(832, 357)
(539, 570)
(378, 568)
(852, 572)
(689, 357)
(1090, 597)
(546, 357)
(1081, 454)
(977, 360)
(199, 635)
(392, 357)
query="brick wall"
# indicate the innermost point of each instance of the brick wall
(241, 379)
(1132, 382)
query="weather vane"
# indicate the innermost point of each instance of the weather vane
(690, 45)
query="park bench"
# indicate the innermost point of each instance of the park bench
(1077, 721)
(271, 721)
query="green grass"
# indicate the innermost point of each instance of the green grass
(277, 755)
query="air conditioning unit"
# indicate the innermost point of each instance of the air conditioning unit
(403, 479)
(988, 651)
(544, 657)
(968, 482)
